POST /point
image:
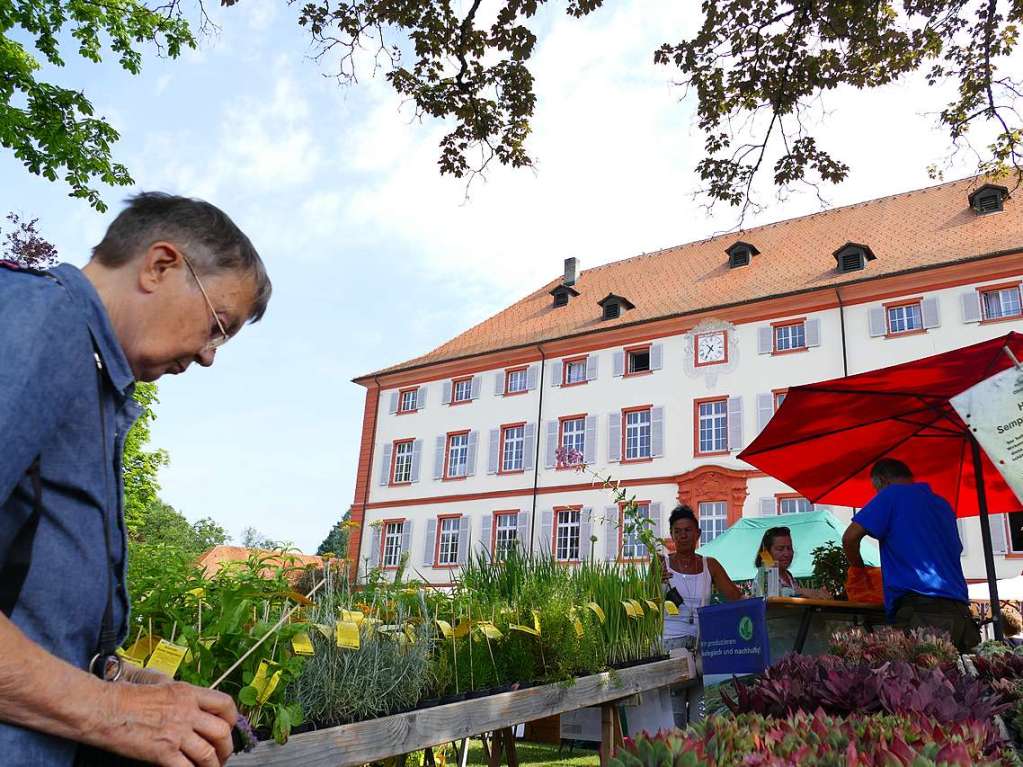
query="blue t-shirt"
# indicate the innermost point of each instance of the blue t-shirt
(920, 546)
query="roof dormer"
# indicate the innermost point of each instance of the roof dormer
(989, 198)
(562, 293)
(741, 254)
(613, 306)
(853, 257)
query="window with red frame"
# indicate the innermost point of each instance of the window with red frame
(515, 381)
(779, 397)
(458, 456)
(790, 337)
(575, 372)
(904, 318)
(408, 400)
(573, 435)
(391, 544)
(637, 361)
(637, 435)
(402, 462)
(506, 534)
(712, 426)
(447, 541)
(632, 547)
(567, 527)
(513, 442)
(461, 390)
(1001, 303)
(793, 505)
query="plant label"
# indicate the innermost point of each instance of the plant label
(167, 658)
(598, 611)
(140, 662)
(143, 647)
(445, 629)
(269, 687)
(302, 644)
(578, 624)
(346, 634)
(353, 616)
(670, 608)
(490, 631)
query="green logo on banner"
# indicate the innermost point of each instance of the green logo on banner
(746, 628)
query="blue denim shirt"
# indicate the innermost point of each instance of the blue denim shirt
(50, 329)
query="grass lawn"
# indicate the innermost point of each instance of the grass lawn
(540, 753)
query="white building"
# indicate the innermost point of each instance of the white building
(662, 367)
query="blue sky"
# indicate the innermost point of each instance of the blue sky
(374, 257)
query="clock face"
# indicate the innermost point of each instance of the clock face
(711, 348)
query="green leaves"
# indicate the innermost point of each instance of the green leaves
(52, 130)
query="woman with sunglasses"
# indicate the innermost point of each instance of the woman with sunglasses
(777, 543)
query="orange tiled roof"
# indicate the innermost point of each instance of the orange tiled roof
(212, 560)
(908, 231)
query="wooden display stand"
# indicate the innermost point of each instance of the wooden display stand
(353, 745)
(796, 615)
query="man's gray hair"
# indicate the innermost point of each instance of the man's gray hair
(210, 239)
(890, 469)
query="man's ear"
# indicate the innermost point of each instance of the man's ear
(159, 263)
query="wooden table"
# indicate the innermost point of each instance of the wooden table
(870, 613)
(351, 745)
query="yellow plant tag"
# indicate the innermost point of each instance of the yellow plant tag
(198, 593)
(324, 629)
(410, 633)
(167, 657)
(630, 609)
(766, 558)
(578, 627)
(302, 644)
(640, 612)
(143, 647)
(523, 629)
(302, 599)
(462, 629)
(670, 608)
(353, 616)
(445, 629)
(346, 634)
(652, 605)
(490, 631)
(268, 689)
(536, 621)
(129, 659)
(598, 611)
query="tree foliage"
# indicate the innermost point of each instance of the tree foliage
(756, 67)
(51, 129)
(163, 525)
(23, 244)
(251, 538)
(336, 541)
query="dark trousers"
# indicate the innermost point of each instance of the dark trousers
(917, 611)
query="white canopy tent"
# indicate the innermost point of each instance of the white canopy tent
(1009, 590)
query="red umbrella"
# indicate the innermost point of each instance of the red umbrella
(826, 436)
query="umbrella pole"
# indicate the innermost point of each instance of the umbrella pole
(985, 534)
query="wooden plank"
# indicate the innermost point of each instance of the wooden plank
(352, 745)
(606, 734)
(828, 603)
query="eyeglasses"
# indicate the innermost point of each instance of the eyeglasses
(215, 342)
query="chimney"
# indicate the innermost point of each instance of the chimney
(570, 267)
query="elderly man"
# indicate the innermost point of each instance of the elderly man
(172, 280)
(920, 553)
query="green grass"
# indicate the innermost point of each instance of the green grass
(539, 753)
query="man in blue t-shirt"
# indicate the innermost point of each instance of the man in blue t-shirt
(920, 553)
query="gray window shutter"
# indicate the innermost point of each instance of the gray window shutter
(768, 507)
(876, 321)
(463, 540)
(970, 301)
(438, 457)
(657, 432)
(486, 534)
(765, 339)
(812, 332)
(385, 463)
(421, 398)
(961, 526)
(611, 533)
(374, 546)
(998, 542)
(614, 436)
(531, 375)
(655, 516)
(447, 393)
(557, 368)
(590, 441)
(495, 446)
(930, 313)
(499, 384)
(735, 423)
(585, 532)
(430, 545)
(656, 356)
(546, 531)
(475, 387)
(523, 532)
(592, 367)
(394, 402)
(765, 410)
(528, 446)
(619, 363)
(471, 462)
(552, 444)
(417, 458)
(406, 536)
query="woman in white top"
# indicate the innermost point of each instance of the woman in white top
(692, 578)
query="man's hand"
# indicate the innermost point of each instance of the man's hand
(172, 724)
(851, 543)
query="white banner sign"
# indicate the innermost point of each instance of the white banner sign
(993, 409)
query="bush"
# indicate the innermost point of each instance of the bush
(806, 683)
(924, 647)
(819, 740)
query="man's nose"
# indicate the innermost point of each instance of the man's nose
(206, 357)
